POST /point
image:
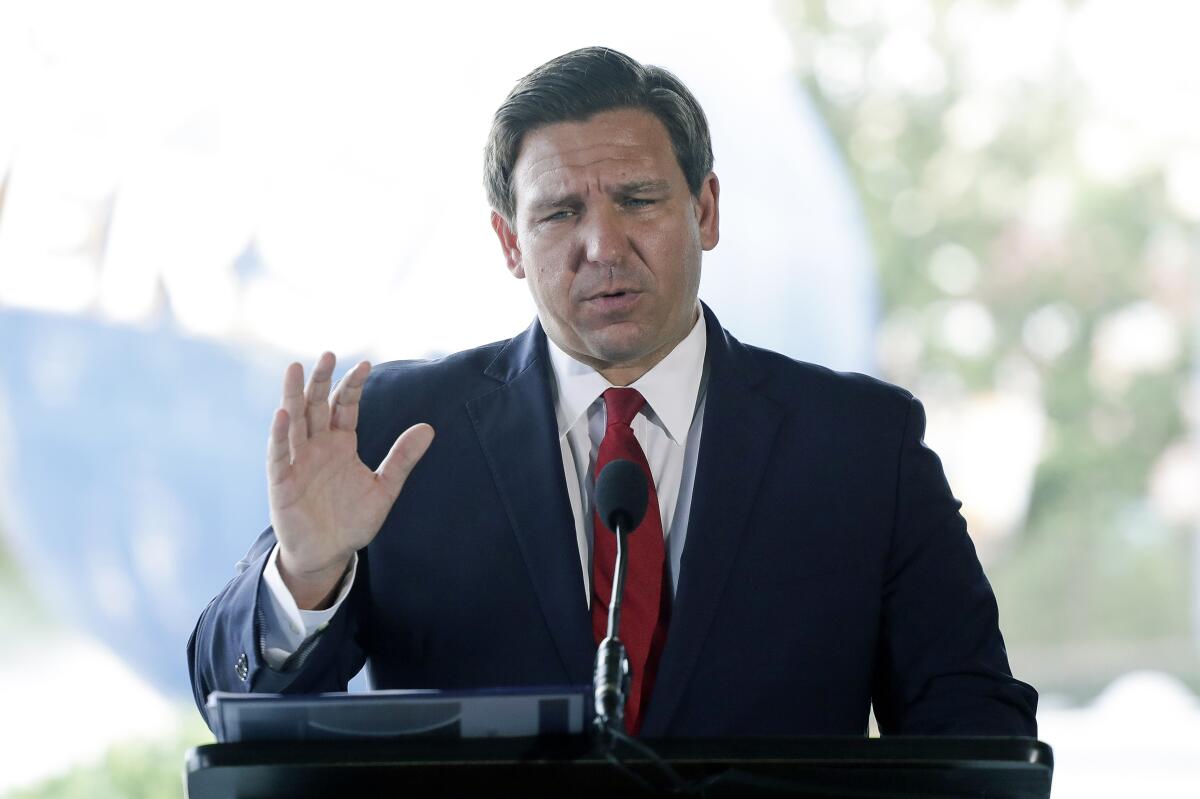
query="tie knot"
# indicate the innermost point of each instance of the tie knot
(622, 404)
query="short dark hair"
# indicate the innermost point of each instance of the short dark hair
(576, 86)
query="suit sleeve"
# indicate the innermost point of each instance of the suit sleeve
(286, 627)
(226, 649)
(943, 667)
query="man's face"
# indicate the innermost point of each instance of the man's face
(610, 238)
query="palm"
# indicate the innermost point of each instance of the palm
(325, 502)
(330, 492)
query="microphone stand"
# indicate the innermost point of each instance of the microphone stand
(610, 685)
(612, 675)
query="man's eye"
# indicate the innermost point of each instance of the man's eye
(557, 215)
(638, 202)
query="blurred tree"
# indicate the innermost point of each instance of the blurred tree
(1008, 263)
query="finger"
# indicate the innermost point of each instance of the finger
(317, 395)
(403, 456)
(293, 403)
(279, 460)
(345, 398)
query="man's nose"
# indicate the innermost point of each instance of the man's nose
(605, 239)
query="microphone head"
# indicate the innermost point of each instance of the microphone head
(621, 495)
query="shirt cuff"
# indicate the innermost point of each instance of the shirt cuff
(286, 626)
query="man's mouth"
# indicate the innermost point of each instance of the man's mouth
(614, 301)
(611, 294)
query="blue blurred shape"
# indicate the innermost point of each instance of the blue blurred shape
(131, 472)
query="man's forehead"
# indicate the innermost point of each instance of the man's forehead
(549, 162)
(552, 175)
(616, 147)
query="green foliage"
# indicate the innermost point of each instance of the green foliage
(133, 770)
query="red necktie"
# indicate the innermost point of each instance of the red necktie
(646, 604)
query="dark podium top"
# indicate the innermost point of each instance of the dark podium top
(574, 767)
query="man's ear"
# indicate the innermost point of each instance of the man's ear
(708, 211)
(509, 244)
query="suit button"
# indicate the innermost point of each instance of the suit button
(242, 667)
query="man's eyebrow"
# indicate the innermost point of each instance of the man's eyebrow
(644, 187)
(548, 201)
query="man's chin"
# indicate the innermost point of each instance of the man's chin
(637, 355)
(619, 344)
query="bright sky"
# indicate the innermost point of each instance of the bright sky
(153, 143)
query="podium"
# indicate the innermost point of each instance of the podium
(573, 767)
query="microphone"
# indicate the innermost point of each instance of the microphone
(621, 495)
(621, 499)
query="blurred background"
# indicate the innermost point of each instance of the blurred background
(993, 204)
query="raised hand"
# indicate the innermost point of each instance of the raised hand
(325, 502)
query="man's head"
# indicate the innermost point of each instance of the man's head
(581, 84)
(599, 174)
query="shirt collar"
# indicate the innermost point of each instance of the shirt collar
(671, 387)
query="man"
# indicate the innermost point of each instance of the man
(802, 558)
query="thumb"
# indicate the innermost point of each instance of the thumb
(403, 456)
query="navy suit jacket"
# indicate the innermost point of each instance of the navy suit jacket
(826, 567)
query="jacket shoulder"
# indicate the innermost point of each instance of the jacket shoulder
(399, 394)
(441, 378)
(801, 385)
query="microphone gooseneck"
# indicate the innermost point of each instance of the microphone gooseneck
(621, 499)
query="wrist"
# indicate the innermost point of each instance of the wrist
(312, 588)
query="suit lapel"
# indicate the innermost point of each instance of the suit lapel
(517, 430)
(739, 428)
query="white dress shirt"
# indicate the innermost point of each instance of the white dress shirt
(668, 428)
